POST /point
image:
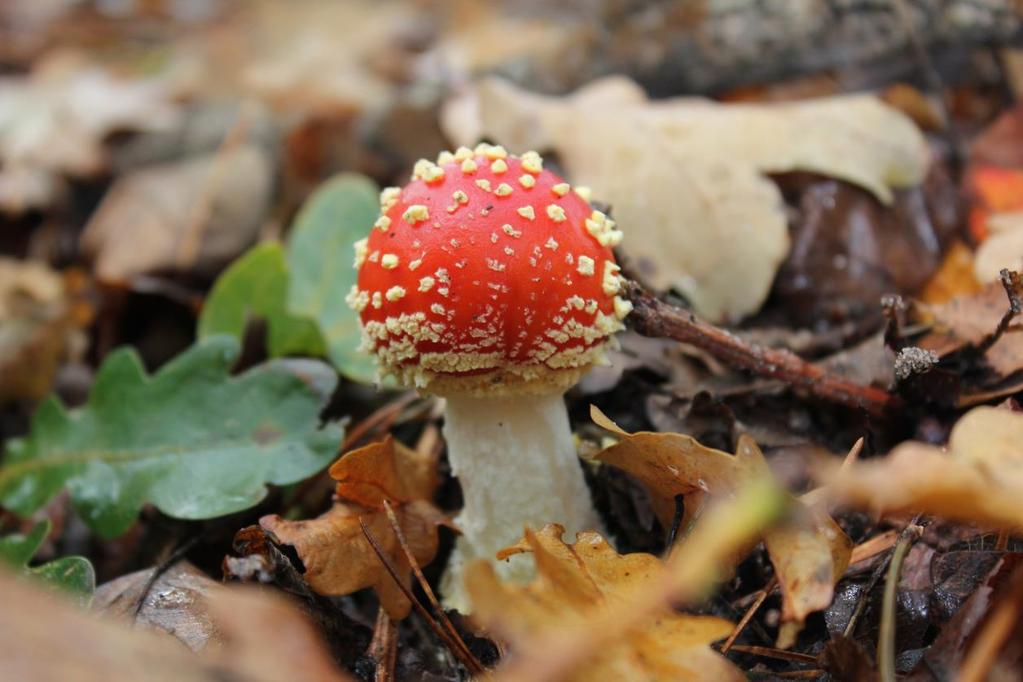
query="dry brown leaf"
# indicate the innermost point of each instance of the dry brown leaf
(53, 123)
(261, 638)
(977, 479)
(37, 327)
(967, 321)
(193, 215)
(573, 582)
(808, 549)
(337, 556)
(686, 177)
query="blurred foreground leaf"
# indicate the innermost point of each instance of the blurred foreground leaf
(72, 573)
(256, 285)
(259, 637)
(191, 439)
(578, 642)
(572, 581)
(320, 255)
(977, 478)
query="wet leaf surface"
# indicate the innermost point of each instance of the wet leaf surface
(260, 427)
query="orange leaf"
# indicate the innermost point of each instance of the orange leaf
(386, 470)
(337, 557)
(995, 190)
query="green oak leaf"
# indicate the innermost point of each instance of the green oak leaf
(320, 256)
(74, 574)
(256, 285)
(191, 439)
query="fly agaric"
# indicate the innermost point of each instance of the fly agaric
(491, 282)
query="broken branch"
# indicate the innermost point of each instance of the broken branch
(652, 317)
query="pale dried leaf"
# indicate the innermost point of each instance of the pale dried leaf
(967, 321)
(36, 328)
(689, 174)
(192, 216)
(54, 121)
(1002, 249)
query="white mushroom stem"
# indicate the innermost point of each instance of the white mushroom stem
(516, 462)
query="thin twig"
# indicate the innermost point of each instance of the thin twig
(869, 549)
(1013, 284)
(177, 555)
(886, 635)
(762, 596)
(798, 674)
(467, 658)
(384, 647)
(654, 318)
(780, 654)
(861, 601)
(416, 604)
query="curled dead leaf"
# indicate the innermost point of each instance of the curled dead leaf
(807, 548)
(338, 558)
(573, 582)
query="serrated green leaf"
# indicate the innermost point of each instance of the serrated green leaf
(256, 285)
(320, 256)
(73, 574)
(190, 439)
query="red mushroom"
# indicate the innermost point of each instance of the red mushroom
(490, 281)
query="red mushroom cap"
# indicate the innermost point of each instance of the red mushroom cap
(488, 272)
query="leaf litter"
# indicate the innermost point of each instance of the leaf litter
(818, 258)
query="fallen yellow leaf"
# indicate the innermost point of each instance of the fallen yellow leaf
(574, 580)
